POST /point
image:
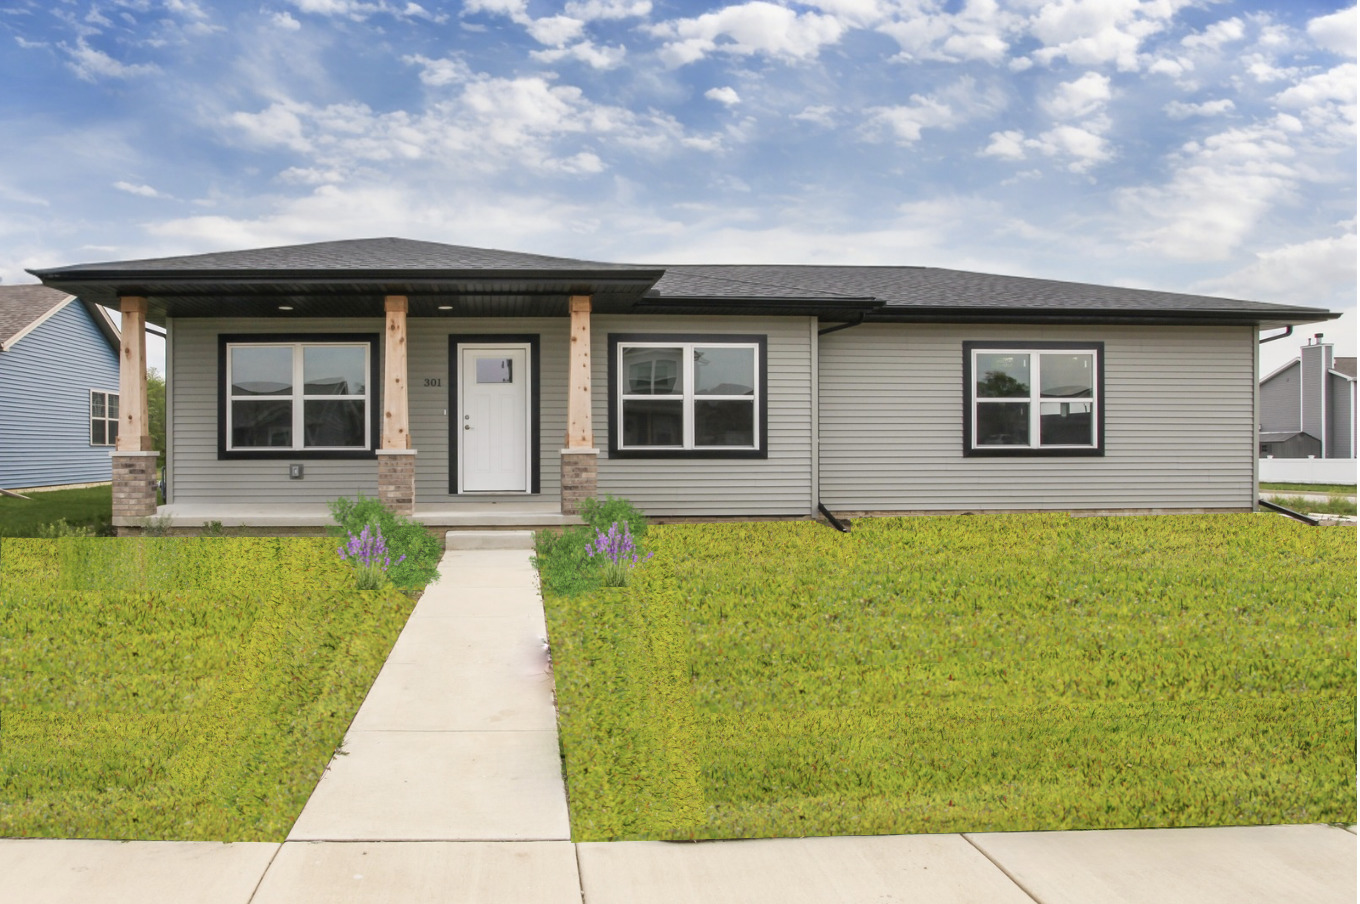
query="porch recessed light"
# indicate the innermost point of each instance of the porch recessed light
(446, 307)
(285, 307)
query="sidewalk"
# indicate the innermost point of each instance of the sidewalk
(448, 788)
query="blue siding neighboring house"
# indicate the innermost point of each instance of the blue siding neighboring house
(58, 389)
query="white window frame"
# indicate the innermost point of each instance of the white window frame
(297, 398)
(687, 395)
(1035, 399)
(106, 419)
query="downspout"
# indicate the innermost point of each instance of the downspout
(1290, 513)
(1288, 331)
(826, 513)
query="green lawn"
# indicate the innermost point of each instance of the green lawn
(187, 689)
(92, 507)
(976, 673)
(1333, 489)
(1333, 506)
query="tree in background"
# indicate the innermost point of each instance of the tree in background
(155, 403)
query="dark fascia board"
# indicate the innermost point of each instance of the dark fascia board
(1260, 319)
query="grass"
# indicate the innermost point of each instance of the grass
(177, 689)
(1331, 489)
(1333, 506)
(980, 673)
(91, 507)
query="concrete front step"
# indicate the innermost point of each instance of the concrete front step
(489, 539)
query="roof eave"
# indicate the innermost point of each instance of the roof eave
(1259, 319)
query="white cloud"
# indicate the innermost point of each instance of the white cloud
(1008, 145)
(1082, 97)
(554, 31)
(144, 191)
(1181, 110)
(1216, 35)
(593, 10)
(285, 21)
(1335, 32)
(1098, 32)
(1320, 95)
(91, 65)
(585, 52)
(981, 30)
(1304, 273)
(353, 9)
(726, 95)
(904, 123)
(436, 73)
(752, 28)
(1081, 148)
(821, 114)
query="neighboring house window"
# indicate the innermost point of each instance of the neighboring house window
(1041, 398)
(312, 395)
(687, 396)
(103, 418)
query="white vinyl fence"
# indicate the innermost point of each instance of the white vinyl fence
(1308, 470)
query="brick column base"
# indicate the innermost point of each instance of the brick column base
(579, 471)
(397, 480)
(134, 485)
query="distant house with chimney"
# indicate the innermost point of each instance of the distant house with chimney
(1308, 406)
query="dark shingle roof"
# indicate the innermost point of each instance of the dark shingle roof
(1280, 437)
(1345, 366)
(21, 305)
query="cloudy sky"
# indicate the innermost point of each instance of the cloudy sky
(1188, 145)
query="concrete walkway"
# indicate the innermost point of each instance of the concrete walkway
(448, 788)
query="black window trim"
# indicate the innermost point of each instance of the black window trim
(535, 429)
(1097, 451)
(374, 396)
(760, 340)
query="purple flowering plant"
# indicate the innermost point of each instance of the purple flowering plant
(617, 554)
(367, 552)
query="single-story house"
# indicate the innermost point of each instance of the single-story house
(1308, 406)
(58, 389)
(474, 386)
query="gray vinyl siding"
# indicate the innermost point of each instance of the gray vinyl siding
(196, 474)
(1280, 401)
(45, 383)
(1311, 376)
(778, 485)
(1339, 416)
(428, 359)
(1180, 426)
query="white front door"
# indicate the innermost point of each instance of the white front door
(493, 418)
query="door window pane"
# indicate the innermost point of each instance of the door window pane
(725, 371)
(1003, 424)
(333, 422)
(1003, 376)
(648, 422)
(495, 370)
(728, 423)
(261, 424)
(1065, 376)
(1065, 424)
(331, 370)
(262, 371)
(652, 371)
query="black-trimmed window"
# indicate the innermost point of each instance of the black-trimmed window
(1034, 398)
(297, 396)
(103, 418)
(685, 395)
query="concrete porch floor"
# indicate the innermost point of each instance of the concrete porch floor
(456, 516)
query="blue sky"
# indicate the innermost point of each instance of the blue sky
(1204, 147)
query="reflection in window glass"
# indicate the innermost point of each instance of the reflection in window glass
(97, 404)
(1066, 376)
(99, 433)
(334, 422)
(726, 423)
(495, 370)
(724, 371)
(652, 371)
(1002, 376)
(261, 424)
(648, 422)
(333, 370)
(262, 371)
(1066, 424)
(1003, 424)
(113, 407)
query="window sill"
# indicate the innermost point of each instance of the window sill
(1033, 453)
(295, 454)
(689, 453)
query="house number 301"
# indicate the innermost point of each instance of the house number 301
(431, 381)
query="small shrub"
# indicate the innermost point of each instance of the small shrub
(602, 514)
(562, 563)
(367, 552)
(61, 528)
(418, 552)
(158, 526)
(616, 554)
(213, 529)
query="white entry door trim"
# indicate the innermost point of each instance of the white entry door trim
(493, 417)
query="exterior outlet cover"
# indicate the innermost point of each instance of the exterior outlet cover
(295, 472)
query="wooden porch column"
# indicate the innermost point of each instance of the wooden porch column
(134, 459)
(580, 457)
(396, 458)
